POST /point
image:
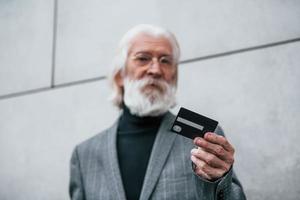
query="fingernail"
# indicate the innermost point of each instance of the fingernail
(195, 140)
(199, 140)
(209, 134)
(193, 151)
(192, 158)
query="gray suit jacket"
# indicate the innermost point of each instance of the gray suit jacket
(95, 172)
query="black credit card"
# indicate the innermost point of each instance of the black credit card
(191, 124)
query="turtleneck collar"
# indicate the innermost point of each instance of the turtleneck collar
(132, 123)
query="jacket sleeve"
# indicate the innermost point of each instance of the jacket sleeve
(227, 187)
(76, 189)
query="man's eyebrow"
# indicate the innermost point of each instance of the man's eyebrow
(142, 52)
(149, 53)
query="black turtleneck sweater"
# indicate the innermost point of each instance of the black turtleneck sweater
(134, 144)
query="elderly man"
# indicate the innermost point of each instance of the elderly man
(138, 157)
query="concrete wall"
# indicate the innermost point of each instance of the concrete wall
(52, 54)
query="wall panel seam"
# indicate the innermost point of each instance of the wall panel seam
(54, 40)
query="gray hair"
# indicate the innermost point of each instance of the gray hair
(120, 58)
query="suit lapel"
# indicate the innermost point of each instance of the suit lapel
(111, 164)
(160, 151)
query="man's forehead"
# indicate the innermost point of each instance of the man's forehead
(147, 43)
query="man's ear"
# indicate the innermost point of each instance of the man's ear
(175, 76)
(119, 79)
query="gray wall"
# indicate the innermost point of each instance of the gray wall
(53, 55)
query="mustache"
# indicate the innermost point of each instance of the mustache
(160, 83)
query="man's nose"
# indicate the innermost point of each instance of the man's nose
(155, 69)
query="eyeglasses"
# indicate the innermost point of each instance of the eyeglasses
(142, 59)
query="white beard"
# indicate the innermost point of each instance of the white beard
(149, 102)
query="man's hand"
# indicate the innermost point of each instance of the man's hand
(213, 157)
